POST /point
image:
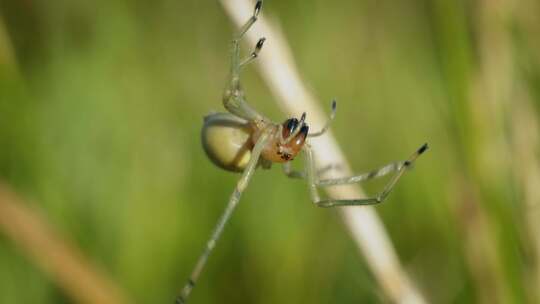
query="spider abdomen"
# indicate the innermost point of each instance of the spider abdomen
(226, 141)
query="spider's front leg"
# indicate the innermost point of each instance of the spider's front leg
(233, 97)
(233, 202)
(314, 181)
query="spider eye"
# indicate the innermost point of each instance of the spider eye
(289, 126)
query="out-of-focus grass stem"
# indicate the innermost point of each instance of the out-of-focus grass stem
(7, 54)
(525, 134)
(498, 97)
(66, 265)
(477, 93)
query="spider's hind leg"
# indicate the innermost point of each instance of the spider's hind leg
(291, 173)
(223, 220)
(397, 167)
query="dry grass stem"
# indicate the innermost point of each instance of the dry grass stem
(68, 267)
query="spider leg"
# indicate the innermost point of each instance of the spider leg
(398, 167)
(233, 202)
(253, 54)
(233, 97)
(380, 172)
(289, 172)
(327, 124)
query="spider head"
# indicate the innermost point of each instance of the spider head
(285, 146)
(294, 132)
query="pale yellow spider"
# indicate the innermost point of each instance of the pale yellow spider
(242, 140)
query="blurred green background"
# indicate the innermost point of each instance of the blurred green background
(101, 105)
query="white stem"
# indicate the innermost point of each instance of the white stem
(277, 67)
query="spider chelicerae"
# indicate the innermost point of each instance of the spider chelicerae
(243, 140)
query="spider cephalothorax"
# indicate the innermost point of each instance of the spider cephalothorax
(286, 140)
(294, 136)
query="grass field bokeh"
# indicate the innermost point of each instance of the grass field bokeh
(101, 106)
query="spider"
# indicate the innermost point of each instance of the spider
(243, 140)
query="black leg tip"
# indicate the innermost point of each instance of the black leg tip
(258, 8)
(423, 148)
(260, 43)
(334, 105)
